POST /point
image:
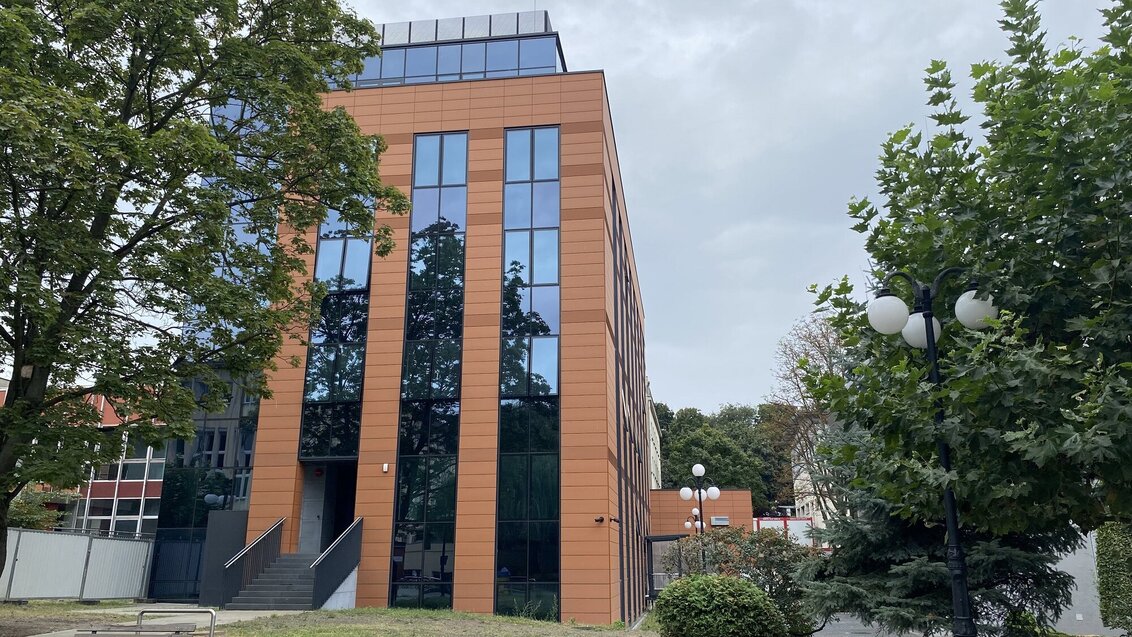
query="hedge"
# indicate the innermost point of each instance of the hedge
(1114, 574)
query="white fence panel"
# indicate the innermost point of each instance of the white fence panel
(46, 564)
(117, 568)
(43, 564)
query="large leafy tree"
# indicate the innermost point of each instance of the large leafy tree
(1038, 407)
(149, 153)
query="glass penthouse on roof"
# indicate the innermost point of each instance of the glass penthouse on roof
(451, 49)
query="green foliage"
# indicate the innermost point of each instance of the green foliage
(1039, 406)
(1114, 575)
(717, 606)
(766, 558)
(117, 199)
(30, 510)
(892, 572)
(736, 447)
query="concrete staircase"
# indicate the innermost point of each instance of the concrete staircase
(287, 584)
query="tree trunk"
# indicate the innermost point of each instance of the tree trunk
(5, 505)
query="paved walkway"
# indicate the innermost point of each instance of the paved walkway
(172, 617)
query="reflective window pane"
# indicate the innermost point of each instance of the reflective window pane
(408, 545)
(516, 307)
(513, 366)
(473, 58)
(455, 159)
(545, 266)
(544, 423)
(544, 366)
(513, 424)
(546, 153)
(544, 487)
(446, 369)
(450, 261)
(513, 483)
(320, 373)
(329, 262)
(129, 506)
(546, 204)
(314, 438)
(350, 369)
(441, 489)
(518, 155)
(420, 315)
(355, 269)
(333, 226)
(345, 431)
(517, 251)
(342, 319)
(412, 475)
(545, 309)
(502, 55)
(427, 161)
(393, 63)
(454, 208)
(512, 555)
(426, 209)
(543, 555)
(536, 52)
(416, 375)
(371, 70)
(412, 430)
(542, 600)
(517, 206)
(450, 313)
(420, 61)
(448, 59)
(444, 428)
(422, 263)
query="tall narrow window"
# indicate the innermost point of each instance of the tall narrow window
(332, 395)
(528, 529)
(424, 528)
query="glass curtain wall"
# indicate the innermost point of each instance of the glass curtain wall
(429, 430)
(332, 398)
(527, 539)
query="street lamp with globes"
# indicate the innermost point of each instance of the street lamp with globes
(888, 315)
(711, 493)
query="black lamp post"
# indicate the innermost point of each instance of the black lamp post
(889, 315)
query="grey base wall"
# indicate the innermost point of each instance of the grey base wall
(1083, 617)
(227, 531)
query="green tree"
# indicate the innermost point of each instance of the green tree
(30, 510)
(892, 573)
(151, 151)
(1039, 407)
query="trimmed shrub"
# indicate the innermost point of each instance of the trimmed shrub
(717, 606)
(1114, 575)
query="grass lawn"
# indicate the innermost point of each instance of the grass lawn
(364, 622)
(40, 616)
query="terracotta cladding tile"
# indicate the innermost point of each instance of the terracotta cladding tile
(396, 140)
(486, 175)
(582, 170)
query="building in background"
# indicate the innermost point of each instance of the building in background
(654, 440)
(478, 398)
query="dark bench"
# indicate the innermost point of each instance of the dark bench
(151, 630)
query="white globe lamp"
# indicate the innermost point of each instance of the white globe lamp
(973, 312)
(713, 493)
(916, 332)
(698, 470)
(887, 313)
(686, 493)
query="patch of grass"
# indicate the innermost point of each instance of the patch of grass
(402, 622)
(43, 616)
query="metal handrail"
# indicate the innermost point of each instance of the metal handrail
(335, 543)
(249, 547)
(252, 561)
(336, 563)
(178, 611)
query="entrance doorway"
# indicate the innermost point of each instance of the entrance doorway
(329, 491)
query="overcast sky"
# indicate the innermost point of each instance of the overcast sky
(743, 129)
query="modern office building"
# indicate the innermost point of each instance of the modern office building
(477, 399)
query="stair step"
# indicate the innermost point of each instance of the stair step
(270, 597)
(281, 586)
(260, 606)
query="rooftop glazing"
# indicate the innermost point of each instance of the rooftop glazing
(452, 49)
